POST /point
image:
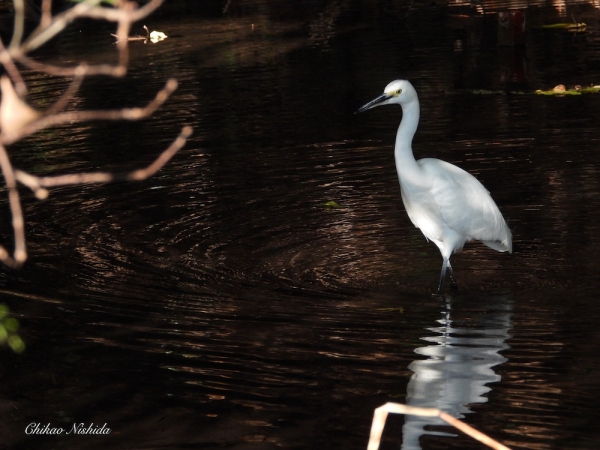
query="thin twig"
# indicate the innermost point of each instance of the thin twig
(18, 224)
(100, 69)
(80, 116)
(62, 102)
(122, 32)
(50, 26)
(39, 185)
(41, 35)
(381, 413)
(46, 18)
(135, 38)
(116, 15)
(17, 36)
(12, 70)
(20, 119)
(87, 9)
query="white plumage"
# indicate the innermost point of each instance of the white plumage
(449, 205)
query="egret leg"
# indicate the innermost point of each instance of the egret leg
(443, 277)
(454, 284)
(446, 267)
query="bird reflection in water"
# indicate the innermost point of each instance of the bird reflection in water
(461, 356)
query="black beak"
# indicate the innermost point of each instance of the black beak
(373, 103)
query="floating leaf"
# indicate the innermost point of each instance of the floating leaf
(590, 90)
(573, 27)
(391, 310)
(561, 90)
(553, 92)
(332, 205)
(558, 90)
(539, 92)
(475, 92)
(487, 92)
(157, 36)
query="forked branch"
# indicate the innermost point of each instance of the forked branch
(39, 185)
(43, 121)
(18, 119)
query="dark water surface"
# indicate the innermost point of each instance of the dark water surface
(220, 305)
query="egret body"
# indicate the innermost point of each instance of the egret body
(450, 206)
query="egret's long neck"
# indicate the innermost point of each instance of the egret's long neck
(406, 164)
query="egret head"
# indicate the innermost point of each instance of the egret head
(399, 92)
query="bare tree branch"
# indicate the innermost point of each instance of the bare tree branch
(18, 119)
(20, 253)
(100, 69)
(39, 184)
(116, 15)
(19, 24)
(125, 13)
(46, 13)
(41, 35)
(62, 102)
(12, 70)
(15, 114)
(47, 121)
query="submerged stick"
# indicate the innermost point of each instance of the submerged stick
(381, 413)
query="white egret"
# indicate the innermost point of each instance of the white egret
(449, 205)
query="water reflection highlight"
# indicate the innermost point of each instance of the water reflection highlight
(460, 364)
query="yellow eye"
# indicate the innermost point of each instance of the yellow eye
(398, 92)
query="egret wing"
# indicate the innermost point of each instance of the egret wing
(467, 207)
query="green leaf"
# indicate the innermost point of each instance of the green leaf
(565, 26)
(11, 324)
(3, 311)
(553, 92)
(16, 343)
(332, 205)
(590, 90)
(8, 331)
